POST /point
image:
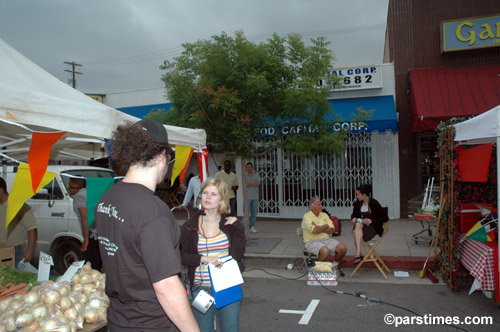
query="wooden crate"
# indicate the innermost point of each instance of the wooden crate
(94, 327)
(7, 255)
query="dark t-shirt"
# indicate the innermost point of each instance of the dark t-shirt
(139, 245)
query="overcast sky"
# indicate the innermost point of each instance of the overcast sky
(121, 43)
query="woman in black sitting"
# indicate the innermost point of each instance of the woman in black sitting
(367, 218)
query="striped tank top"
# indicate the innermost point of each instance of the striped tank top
(217, 246)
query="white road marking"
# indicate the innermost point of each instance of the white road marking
(306, 314)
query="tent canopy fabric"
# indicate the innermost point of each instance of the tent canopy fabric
(32, 97)
(481, 129)
(438, 94)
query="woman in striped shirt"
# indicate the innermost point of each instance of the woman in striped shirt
(208, 238)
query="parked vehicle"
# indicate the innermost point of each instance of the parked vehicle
(59, 230)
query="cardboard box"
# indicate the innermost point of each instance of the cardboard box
(468, 214)
(7, 255)
(322, 278)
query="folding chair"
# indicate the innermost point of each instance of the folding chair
(372, 256)
(308, 257)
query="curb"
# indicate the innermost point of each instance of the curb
(277, 261)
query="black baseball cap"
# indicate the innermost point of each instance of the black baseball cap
(156, 131)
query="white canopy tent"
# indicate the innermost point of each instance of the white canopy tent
(482, 129)
(33, 100)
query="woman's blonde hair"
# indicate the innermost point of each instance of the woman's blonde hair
(223, 190)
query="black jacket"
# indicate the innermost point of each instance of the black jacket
(189, 243)
(378, 214)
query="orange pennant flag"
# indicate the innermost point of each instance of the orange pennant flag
(38, 156)
(182, 157)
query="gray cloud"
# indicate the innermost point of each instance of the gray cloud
(121, 43)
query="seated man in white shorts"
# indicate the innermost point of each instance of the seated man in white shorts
(317, 227)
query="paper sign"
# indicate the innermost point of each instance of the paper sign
(227, 276)
(401, 274)
(44, 263)
(70, 272)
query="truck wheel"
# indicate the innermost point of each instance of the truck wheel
(65, 254)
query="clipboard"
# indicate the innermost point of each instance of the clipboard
(230, 275)
(226, 296)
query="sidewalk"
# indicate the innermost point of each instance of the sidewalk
(398, 249)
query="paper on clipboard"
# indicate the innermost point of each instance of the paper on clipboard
(227, 276)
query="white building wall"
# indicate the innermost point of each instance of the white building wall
(132, 98)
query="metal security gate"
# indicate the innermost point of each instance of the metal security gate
(288, 182)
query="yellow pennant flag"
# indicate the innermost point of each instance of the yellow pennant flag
(182, 156)
(22, 190)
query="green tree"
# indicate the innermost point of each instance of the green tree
(232, 87)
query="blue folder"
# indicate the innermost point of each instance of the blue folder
(226, 296)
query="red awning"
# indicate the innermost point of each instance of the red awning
(438, 94)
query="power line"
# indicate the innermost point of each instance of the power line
(175, 51)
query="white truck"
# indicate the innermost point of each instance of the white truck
(59, 230)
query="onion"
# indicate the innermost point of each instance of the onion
(71, 314)
(60, 316)
(39, 310)
(79, 321)
(78, 306)
(49, 325)
(52, 296)
(90, 315)
(33, 327)
(23, 318)
(31, 297)
(5, 303)
(16, 304)
(85, 268)
(76, 278)
(88, 289)
(95, 275)
(73, 327)
(9, 323)
(73, 298)
(83, 299)
(64, 288)
(95, 303)
(85, 278)
(48, 283)
(65, 303)
(102, 313)
(77, 287)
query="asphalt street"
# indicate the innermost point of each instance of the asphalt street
(415, 305)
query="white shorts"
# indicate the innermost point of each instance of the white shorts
(313, 246)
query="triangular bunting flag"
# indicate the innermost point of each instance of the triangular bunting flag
(38, 155)
(22, 190)
(96, 187)
(182, 157)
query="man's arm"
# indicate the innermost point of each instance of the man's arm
(172, 296)
(32, 237)
(188, 195)
(85, 231)
(319, 229)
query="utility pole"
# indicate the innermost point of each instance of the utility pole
(73, 64)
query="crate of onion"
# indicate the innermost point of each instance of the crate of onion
(60, 306)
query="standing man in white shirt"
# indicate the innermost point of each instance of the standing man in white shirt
(232, 183)
(253, 183)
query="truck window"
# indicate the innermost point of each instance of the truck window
(51, 191)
